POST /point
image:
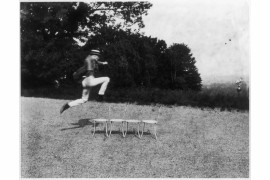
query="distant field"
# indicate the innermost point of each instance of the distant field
(192, 143)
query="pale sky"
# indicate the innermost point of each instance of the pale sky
(205, 26)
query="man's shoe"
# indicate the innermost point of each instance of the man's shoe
(64, 107)
(100, 98)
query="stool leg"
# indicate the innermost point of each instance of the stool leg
(106, 127)
(141, 133)
(138, 130)
(110, 132)
(122, 128)
(124, 131)
(94, 128)
(155, 130)
(143, 129)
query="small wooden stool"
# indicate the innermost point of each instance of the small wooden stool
(101, 120)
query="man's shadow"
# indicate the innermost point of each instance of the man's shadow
(80, 124)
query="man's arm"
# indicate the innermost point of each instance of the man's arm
(103, 63)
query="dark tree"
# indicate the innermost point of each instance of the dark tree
(49, 45)
(182, 69)
(133, 58)
(49, 30)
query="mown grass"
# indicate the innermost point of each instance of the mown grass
(223, 96)
(192, 143)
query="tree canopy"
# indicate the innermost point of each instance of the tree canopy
(49, 48)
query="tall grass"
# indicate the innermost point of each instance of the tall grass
(223, 96)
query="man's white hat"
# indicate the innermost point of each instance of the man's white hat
(95, 52)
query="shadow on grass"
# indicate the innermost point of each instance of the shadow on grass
(80, 124)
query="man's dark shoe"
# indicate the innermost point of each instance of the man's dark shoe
(100, 98)
(64, 107)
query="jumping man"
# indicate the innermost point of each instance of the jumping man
(85, 75)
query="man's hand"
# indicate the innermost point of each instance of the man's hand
(56, 84)
(105, 63)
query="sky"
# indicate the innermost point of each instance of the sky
(216, 31)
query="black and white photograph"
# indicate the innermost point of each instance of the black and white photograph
(134, 89)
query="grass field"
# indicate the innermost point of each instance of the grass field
(191, 142)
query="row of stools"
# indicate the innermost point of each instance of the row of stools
(109, 122)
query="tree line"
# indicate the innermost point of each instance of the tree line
(49, 48)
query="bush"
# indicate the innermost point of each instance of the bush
(222, 96)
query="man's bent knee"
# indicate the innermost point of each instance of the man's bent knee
(84, 100)
(107, 79)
